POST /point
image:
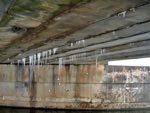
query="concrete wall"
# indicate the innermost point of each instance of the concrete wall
(74, 86)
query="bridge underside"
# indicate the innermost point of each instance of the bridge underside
(54, 53)
(77, 31)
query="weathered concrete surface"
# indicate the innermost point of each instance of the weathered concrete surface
(32, 26)
(74, 86)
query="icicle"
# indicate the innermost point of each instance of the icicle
(96, 64)
(71, 45)
(31, 71)
(123, 14)
(39, 58)
(79, 42)
(43, 54)
(11, 63)
(132, 9)
(18, 62)
(101, 51)
(83, 41)
(24, 61)
(50, 52)
(60, 64)
(46, 56)
(54, 50)
(114, 33)
(76, 42)
(31, 60)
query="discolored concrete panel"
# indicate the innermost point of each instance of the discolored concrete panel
(74, 86)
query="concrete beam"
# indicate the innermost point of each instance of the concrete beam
(55, 31)
(109, 29)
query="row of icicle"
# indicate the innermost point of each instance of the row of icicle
(38, 57)
(42, 57)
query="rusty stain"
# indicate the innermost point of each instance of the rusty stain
(118, 87)
(68, 106)
(85, 105)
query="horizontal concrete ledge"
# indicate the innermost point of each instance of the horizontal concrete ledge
(77, 106)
